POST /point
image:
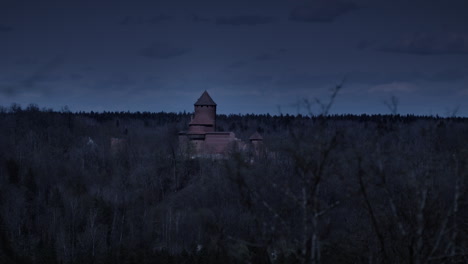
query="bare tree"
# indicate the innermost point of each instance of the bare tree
(392, 104)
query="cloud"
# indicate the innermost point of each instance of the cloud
(245, 20)
(237, 64)
(131, 20)
(264, 57)
(42, 75)
(162, 50)
(363, 44)
(250, 79)
(117, 82)
(76, 76)
(306, 81)
(199, 19)
(394, 87)
(378, 77)
(430, 44)
(241, 80)
(8, 90)
(321, 11)
(463, 92)
(449, 75)
(4, 28)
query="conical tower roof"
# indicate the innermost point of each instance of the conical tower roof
(205, 99)
(256, 136)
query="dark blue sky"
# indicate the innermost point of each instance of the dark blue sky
(252, 56)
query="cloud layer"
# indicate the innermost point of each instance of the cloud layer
(44, 74)
(4, 28)
(245, 20)
(199, 19)
(131, 20)
(430, 44)
(321, 11)
(162, 50)
(394, 87)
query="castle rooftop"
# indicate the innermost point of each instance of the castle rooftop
(256, 137)
(205, 99)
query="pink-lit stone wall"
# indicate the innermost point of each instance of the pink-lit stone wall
(205, 115)
(218, 142)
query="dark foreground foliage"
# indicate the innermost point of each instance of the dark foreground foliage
(116, 188)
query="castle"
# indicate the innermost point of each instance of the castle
(202, 136)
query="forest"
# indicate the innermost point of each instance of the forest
(116, 187)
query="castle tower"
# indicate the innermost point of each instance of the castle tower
(256, 139)
(204, 119)
(257, 143)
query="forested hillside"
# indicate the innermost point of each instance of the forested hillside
(116, 188)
